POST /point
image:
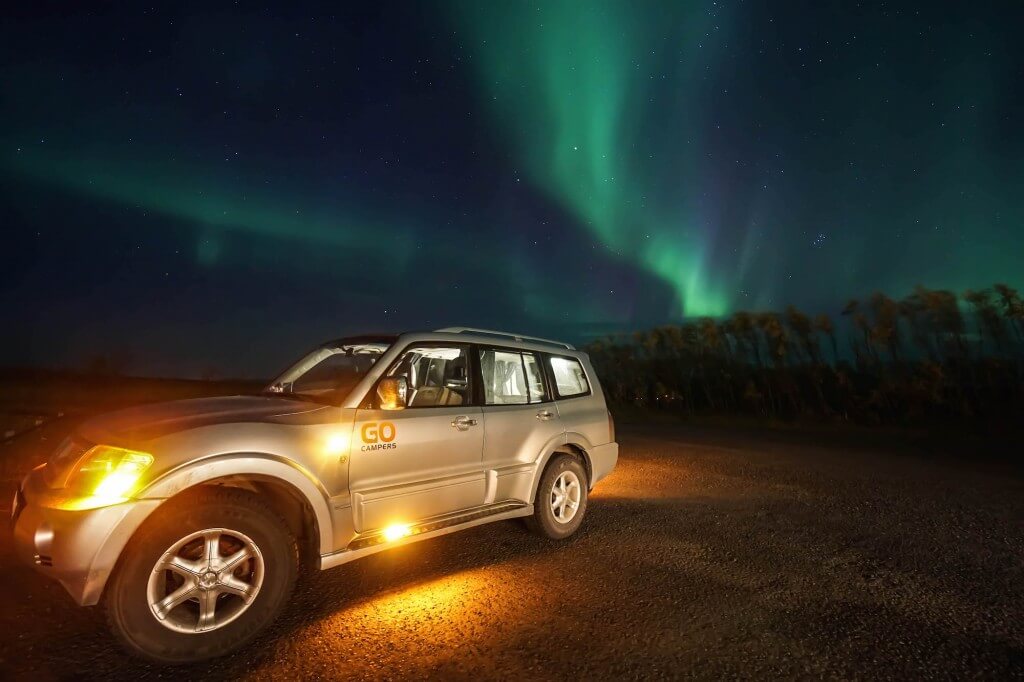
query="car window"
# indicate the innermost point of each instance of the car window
(570, 379)
(435, 376)
(511, 378)
(329, 374)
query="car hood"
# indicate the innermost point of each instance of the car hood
(146, 422)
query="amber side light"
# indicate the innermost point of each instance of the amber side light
(397, 531)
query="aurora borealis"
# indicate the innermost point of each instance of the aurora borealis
(196, 188)
(567, 82)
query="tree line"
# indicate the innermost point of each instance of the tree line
(929, 355)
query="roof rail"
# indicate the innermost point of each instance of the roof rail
(517, 337)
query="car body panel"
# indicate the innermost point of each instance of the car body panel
(413, 463)
(514, 439)
(603, 459)
(136, 426)
(253, 466)
(586, 416)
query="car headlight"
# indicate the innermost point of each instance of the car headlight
(108, 474)
(63, 460)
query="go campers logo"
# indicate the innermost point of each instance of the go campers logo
(378, 436)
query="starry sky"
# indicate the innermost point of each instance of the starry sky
(213, 188)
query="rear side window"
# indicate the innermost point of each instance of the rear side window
(570, 379)
(511, 378)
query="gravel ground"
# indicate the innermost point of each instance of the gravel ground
(703, 555)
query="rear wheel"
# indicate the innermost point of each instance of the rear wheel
(561, 499)
(202, 577)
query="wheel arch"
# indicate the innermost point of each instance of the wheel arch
(581, 454)
(573, 444)
(579, 445)
(290, 488)
(281, 479)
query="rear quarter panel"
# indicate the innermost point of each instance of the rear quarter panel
(585, 418)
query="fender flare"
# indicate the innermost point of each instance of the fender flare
(257, 464)
(557, 444)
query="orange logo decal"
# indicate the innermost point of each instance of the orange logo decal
(374, 432)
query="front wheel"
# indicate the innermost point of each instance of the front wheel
(561, 499)
(202, 577)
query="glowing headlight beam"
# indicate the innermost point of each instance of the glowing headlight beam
(108, 475)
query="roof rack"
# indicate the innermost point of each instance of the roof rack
(510, 335)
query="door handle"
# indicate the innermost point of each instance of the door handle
(462, 423)
(545, 415)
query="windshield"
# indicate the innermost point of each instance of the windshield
(328, 374)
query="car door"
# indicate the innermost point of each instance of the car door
(520, 420)
(424, 460)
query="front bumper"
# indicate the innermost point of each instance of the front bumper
(78, 548)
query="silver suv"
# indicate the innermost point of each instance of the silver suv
(191, 519)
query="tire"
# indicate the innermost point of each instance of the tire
(548, 506)
(199, 531)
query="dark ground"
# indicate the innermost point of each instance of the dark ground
(704, 554)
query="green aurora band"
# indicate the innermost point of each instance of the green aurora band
(326, 234)
(567, 85)
(188, 194)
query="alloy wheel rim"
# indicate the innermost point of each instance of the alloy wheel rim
(205, 580)
(566, 494)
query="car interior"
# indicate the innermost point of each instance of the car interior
(504, 379)
(435, 376)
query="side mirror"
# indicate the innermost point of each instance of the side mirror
(392, 392)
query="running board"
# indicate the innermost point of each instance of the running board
(375, 541)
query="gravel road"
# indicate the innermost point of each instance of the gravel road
(703, 555)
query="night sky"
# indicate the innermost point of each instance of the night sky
(200, 188)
